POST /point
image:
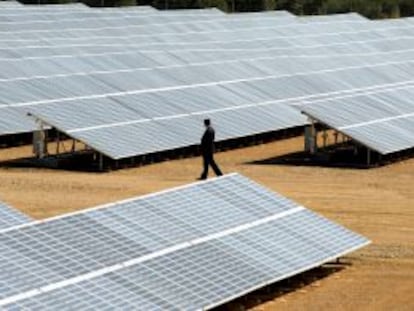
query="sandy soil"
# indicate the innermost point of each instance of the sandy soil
(378, 203)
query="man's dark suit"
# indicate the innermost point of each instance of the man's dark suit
(207, 149)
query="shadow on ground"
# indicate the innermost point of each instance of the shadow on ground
(89, 161)
(337, 156)
(277, 290)
(82, 162)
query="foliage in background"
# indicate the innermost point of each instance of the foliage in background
(369, 8)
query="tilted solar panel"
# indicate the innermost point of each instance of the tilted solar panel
(188, 248)
(227, 34)
(62, 63)
(382, 120)
(151, 121)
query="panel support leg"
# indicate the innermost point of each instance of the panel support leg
(40, 140)
(325, 138)
(101, 161)
(311, 138)
(315, 138)
(57, 143)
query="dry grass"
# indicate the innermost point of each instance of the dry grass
(378, 203)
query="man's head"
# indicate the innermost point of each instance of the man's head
(207, 122)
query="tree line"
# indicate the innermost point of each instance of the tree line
(368, 8)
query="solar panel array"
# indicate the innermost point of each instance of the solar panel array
(119, 79)
(190, 248)
(382, 120)
(10, 217)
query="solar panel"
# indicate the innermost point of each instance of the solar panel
(382, 120)
(267, 27)
(113, 21)
(137, 137)
(76, 62)
(102, 61)
(55, 88)
(211, 25)
(281, 65)
(131, 120)
(190, 248)
(162, 22)
(36, 90)
(10, 217)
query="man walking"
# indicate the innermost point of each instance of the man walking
(207, 149)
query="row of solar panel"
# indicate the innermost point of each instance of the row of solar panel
(109, 60)
(384, 122)
(11, 116)
(190, 248)
(135, 119)
(43, 14)
(106, 116)
(204, 28)
(182, 77)
(195, 22)
(247, 69)
(128, 19)
(135, 23)
(125, 82)
(280, 45)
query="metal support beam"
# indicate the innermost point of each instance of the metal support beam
(336, 137)
(368, 157)
(311, 145)
(325, 138)
(315, 137)
(57, 143)
(40, 140)
(101, 162)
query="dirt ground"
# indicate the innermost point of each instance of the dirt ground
(378, 203)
